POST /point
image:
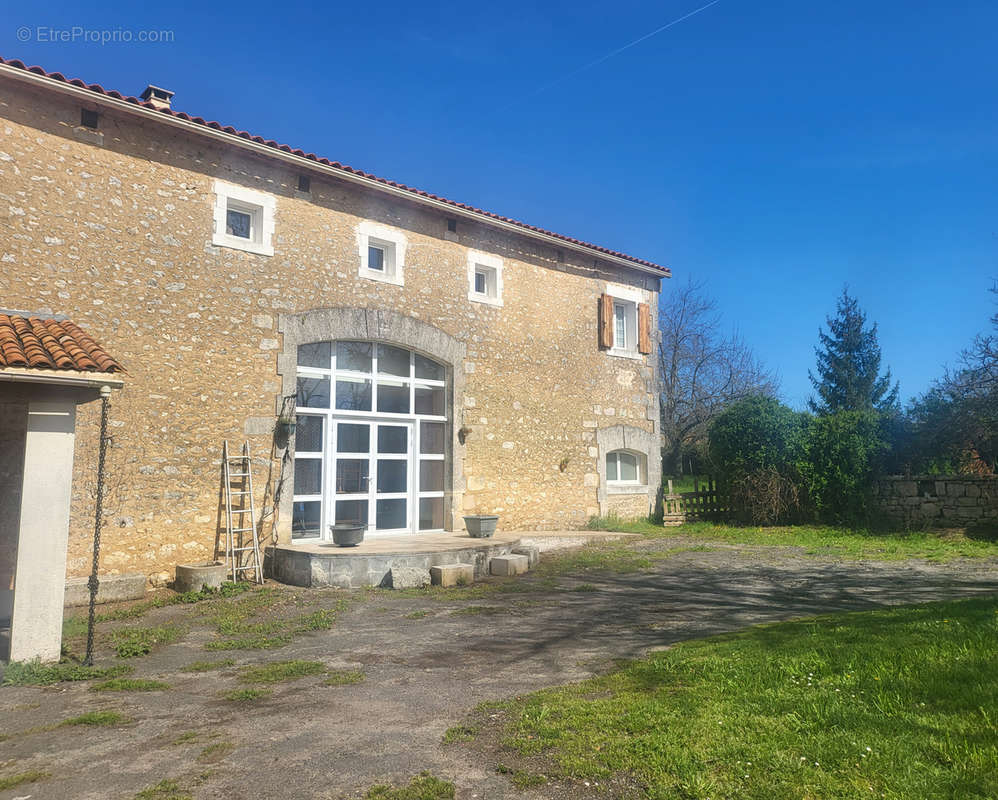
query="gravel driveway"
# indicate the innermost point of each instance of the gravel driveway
(424, 673)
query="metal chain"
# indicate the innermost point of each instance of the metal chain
(93, 583)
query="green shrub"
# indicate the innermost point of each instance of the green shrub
(757, 448)
(844, 452)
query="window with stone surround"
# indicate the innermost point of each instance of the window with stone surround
(382, 253)
(243, 219)
(484, 278)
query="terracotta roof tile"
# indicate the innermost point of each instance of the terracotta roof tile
(34, 343)
(98, 89)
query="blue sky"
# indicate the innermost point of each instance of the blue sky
(775, 151)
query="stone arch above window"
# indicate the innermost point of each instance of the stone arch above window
(375, 325)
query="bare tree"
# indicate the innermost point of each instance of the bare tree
(703, 370)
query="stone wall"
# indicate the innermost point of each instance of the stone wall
(114, 230)
(952, 501)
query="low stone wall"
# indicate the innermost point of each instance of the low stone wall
(947, 501)
(631, 505)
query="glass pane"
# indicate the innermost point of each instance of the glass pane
(353, 394)
(393, 397)
(352, 475)
(430, 400)
(611, 467)
(391, 514)
(305, 519)
(313, 392)
(431, 476)
(431, 513)
(308, 476)
(481, 282)
(428, 369)
(353, 438)
(237, 223)
(351, 512)
(620, 334)
(308, 434)
(375, 258)
(628, 467)
(354, 356)
(314, 355)
(393, 360)
(393, 439)
(392, 476)
(431, 437)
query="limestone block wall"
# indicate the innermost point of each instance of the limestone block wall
(948, 501)
(114, 230)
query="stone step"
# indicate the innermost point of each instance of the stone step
(532, 552)
(452, 575)
(409, 577)
(509, 565)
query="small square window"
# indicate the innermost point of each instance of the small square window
(382, 252)
(89, 118)
(304, 184)
(244, 219)
(481, 281)
(238, 223)
(452, 225)
(376, 258)
(485, 278)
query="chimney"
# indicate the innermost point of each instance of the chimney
(158, 97)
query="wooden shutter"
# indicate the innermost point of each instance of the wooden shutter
(605, 321)
(644, 328)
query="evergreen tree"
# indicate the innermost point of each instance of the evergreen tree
(849, 376)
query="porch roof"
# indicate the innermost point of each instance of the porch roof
(32, 348)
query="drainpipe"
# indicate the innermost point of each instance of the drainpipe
(93, 583)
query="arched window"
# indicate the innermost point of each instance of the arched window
(370, 443)
(626, 468)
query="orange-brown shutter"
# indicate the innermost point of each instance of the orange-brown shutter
(644, 328)
(605, 321)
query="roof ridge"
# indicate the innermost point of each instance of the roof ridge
(228, 129)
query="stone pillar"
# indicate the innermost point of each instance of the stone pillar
(39, 588)
(13, 421)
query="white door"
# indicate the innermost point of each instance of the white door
(372, 479)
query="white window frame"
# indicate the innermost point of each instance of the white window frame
(258, 205)
(620, 486)
(390, 240)
(629, 298)
(333, 415)
(492, 265)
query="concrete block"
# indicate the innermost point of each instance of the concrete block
(409, 577)
(531, 551)
(110, 589)
(452, 574)
(509, 565)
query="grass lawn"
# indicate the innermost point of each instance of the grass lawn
(898, 704)
(822, 539)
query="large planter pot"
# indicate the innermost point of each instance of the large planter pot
(195, 577)
(481, 526)
(348, 535)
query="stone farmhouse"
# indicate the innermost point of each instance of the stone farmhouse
(438, 360)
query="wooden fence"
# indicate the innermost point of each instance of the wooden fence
(703, 502)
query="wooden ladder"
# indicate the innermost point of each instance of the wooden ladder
(240, 519)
